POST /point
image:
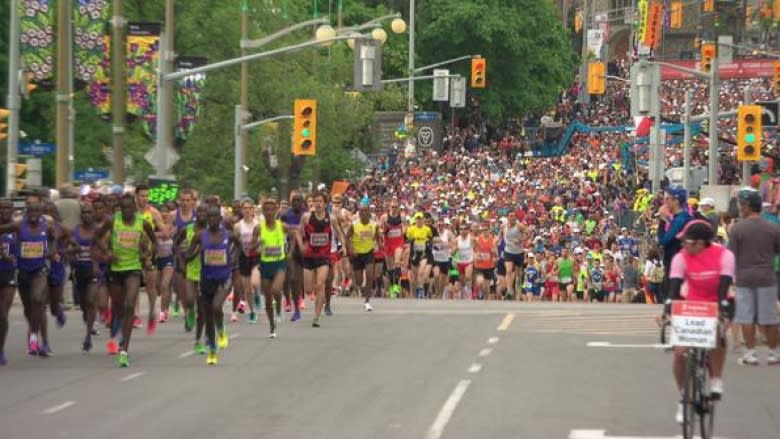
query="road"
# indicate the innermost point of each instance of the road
(410, 369)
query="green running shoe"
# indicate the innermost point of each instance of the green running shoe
(189, 320)
(199, 348)
(122, 359)
(175, 310)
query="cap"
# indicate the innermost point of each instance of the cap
(697, 230)
(678, 193)
(418, 215)
(707, 201)
(530, 255)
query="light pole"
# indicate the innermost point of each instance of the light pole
(14, 101)
(64, 93)
(118, 90)
(410, 92)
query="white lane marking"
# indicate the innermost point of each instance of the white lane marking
(232, 336)
(606, 344)
(58, 408)
(187, 354)
(437, 428)
(475, 367)
(132, 376)
(506, 322)
(493, 340)
(485, 352)
(601, 434)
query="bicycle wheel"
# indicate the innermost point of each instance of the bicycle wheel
(705, 404)
(689, 396)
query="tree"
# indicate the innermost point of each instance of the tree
(529, 56)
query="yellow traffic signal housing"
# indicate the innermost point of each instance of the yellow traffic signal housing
(708, 52)
(677, 15)
(478, 73)
(3, 126)
(305, 127)
(749, 132)
(597, 80)
(19, 172)
(776, 78)
(708, 6)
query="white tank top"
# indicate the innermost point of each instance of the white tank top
(511, 236)
(246, 231)
(465, 250)
(442, 252)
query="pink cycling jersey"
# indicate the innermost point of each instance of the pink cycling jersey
(702, 271)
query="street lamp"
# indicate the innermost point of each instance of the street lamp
(325, 33)
(398, 25)
(379, 34)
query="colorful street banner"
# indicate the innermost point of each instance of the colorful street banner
(98, 87)
(36, 23)
(188, 95)
(143, 50)
(653, 24)
(642, 7)
(90, 18)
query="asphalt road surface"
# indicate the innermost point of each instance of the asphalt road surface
(409, 370)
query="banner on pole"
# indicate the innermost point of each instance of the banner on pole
(90, 19)
(36, 39)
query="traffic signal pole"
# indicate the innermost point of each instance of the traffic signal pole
(746, 163)
(14, 101)
(713, 159)
(687, 140)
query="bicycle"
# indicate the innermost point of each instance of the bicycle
(698, 403)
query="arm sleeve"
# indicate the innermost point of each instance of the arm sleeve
(727, 264)
(666, 236)
(678, 268)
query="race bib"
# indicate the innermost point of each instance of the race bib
(32, 250)
(216, 257)
(483, 256)
(366, 234)
(564, 280)
(419, 246)
(394, 233)
(272, 251)
(319, 239)
(84, 253)
(128, 239)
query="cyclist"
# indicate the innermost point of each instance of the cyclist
(708, 270)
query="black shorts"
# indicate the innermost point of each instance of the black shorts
(361, 261)
(487, 273)
(24, 278)
(444, 267)
(162, 262)
(209, 287)
(501, 269)
(416, 257)
(246, 264)
(119, 277)
(83, 276)
(7, 278)
(513, 258)
(315, 263)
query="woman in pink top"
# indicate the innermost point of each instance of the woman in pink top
(708, 270)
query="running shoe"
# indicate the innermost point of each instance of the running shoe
(32, 345)
(189, 320)
(241, 307)
(94, 331)
(87, 345)
(152, 326)
(175, 310)
(748, 358)
(773, 358)
(278, 319)
(258, 302)
(222, 339)
(163, 317)
(328, 312)
(199, 348)
(112, 348)
(252, 318)
(137, 323)
(679, 417)
(44, 350)
(122, 359)
(272, 334)
(287, 305)
(234, 317)
(3, 360)
(301, 303)
(315, 323)
(211, 359)
(716, 388)
(296, 316)
(61, 319)
(368, 307)
(346, 284)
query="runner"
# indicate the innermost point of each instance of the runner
(7, 273)
(129, 253)
(419, 236)
(164, 259)
(185, 214)
(272, 241)
(465, 260)
(315, 240)
(394, 230)
(485, 256)
(514, 237)
(293, 291)
(565, 276)
(216, 247)
(152, 216)
(246, 229)
(56, 276)
(362, 238)
(86, 271)
(191, 273)
(441, 250)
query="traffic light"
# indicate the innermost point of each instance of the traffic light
(478, 72)
(3, 126)
(708, 6)
(305, 126)
(707, 55)
(20, 170)
(677, 15)
(776, 78)
(597, 81)
(749, 132)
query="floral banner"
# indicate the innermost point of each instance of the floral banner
(36, 22)
(98, 88)
(143, 49)
(188, 94)
(90, 18)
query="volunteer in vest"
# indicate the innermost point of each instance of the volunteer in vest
(248, 259)
(565, 266)
(485, 256)
(128, 253)
(273, 262)
(164, 260)
(151, 216)
(419, 236)
(293, 290)
(394, 231)
(86, 270)
(708, 271)
(216, 246)
(514, 238)
(34, 236)
(191, 273)
(7, 273)
(315, 240)
(362, 238)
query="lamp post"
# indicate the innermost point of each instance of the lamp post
(14, 101)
